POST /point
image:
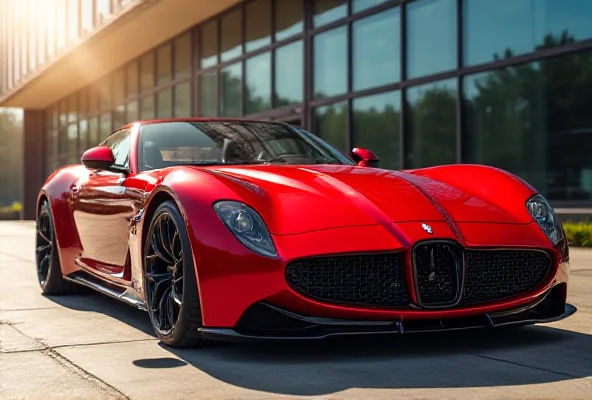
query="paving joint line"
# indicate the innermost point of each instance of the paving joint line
(84, 374)
(67, 363)
(30, 309)
(65, 346)
(529, 366)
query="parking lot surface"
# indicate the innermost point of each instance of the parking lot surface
(92, 347)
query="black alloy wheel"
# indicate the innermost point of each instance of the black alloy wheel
(170, 285)
(49, 270)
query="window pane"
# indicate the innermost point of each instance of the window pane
(330, 63)
(376, 126)
(83, 102)
(540, 114)
(72, 110)
(87, 17)
(118, 86)
(63, 116)
(361, 5)
(209, 44)
(103, 8)
(132, 112)
(231, 91)
(183, 100)
(132, 79)
(119, 115)
(106, 128)
(289, 74)
(431, 131)
(164, 103)
(73, 20)
(208, 96)
(377, 50)
(330, 124)
(147, 108)
(528, 25)
(93, 99)
(258, 83)
(183, 56)
(83, 138)
(431, 37)
(163, 66)
(326, 11)
(73, 157)
(93, 132)
(52, 154)
(147, 72)
(258, 29)
(288, 18)
(63, 146)
(232, 38)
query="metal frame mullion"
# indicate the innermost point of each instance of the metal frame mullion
(459, 87)
(349, 139)
(243, 18)
(308, 48)
(403, 90)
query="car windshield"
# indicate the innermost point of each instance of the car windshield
(167, 144)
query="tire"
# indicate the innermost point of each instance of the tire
(168, 269)
(47, 258)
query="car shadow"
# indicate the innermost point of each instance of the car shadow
(482, 358)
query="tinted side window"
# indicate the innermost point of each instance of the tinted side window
(119, 143)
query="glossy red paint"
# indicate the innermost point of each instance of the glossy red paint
(365, 157)
(101, 155)
(309, 210)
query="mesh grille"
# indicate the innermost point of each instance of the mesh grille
(365, 280)
(498, 274)
(437, 272)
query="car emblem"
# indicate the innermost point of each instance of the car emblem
(427, 228)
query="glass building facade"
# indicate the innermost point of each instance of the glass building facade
(506, 83)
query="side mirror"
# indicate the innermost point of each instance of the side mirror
(365, 158)
(98, 158)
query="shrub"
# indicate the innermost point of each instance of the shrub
(579, 234)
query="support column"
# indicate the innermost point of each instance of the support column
(33, 160)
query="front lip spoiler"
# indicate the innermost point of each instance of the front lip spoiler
(550, 308)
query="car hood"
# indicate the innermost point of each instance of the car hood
(297, 199)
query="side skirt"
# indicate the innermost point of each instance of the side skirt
(122, 293)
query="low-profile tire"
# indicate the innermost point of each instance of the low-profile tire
(47, 260)
(170, 284)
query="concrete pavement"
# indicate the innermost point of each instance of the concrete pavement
(92, 347)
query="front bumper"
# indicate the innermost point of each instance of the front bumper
(263, 321)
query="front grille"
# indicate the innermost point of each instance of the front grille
(498, 274)
(376, 280)
(437, 272)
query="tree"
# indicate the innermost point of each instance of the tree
(532, 120)
(11, 154)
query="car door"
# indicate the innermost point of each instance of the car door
(102, 210)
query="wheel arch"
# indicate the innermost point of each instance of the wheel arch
(159, 196)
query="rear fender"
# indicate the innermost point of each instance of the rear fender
(58, 191)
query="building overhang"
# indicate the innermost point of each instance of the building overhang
(139, 29)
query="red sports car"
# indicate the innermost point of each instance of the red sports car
(240, 229)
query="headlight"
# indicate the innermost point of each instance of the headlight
(545, 217)
(247, 226)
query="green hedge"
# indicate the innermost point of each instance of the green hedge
(579, 234)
